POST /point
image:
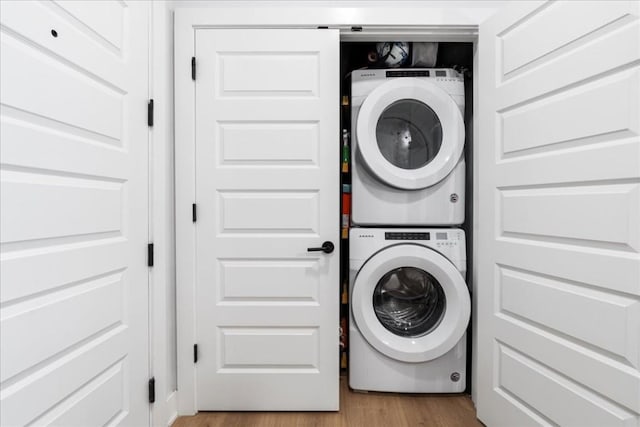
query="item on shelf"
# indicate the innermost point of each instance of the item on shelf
(424, 54)
(346, 210)
(372, 57)
(345, 151)
(392, 54)
(345, 293)
(343, 342)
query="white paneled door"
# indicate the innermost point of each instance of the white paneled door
(267, 188)
(74, 213)
(558, 284)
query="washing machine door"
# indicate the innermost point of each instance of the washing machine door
(410, 133)
(410, 303)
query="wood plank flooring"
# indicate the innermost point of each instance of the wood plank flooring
(356, 410)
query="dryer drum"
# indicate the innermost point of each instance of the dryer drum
(409, 302)
(409, 134)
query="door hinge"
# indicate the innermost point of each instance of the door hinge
(195, 353)
(194, 212)
(150, 113)
(193, 68)
(150, 255)
(152, 390)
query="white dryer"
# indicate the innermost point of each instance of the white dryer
(408, 137)
(409, 310)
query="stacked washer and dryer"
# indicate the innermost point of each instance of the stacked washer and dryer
(410, 304)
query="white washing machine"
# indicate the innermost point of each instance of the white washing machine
(407, 131)
(409, 310)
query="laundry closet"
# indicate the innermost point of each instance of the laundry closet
(269, 147)
(406, 304)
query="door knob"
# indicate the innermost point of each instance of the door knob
(327, 248)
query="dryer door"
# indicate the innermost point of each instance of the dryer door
(410, 303)
(410, 133)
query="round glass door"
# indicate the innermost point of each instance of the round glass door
(409, 134)
(409, 302)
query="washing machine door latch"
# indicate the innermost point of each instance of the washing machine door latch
(327, 248)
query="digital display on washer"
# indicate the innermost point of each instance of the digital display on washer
(408, 73)
(406, 236)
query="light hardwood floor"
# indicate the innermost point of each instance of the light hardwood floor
(356, 410)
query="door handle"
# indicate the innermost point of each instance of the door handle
(327, 248)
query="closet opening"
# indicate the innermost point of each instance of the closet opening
(381, 58)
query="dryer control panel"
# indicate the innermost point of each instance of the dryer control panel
(406, 236)
(413, 73)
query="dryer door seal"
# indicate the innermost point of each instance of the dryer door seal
(447, 325)
(410, 133)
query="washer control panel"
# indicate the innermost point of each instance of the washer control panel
(364, 242)
(444, 239)
(406, 236)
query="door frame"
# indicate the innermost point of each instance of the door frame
(413, 23)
